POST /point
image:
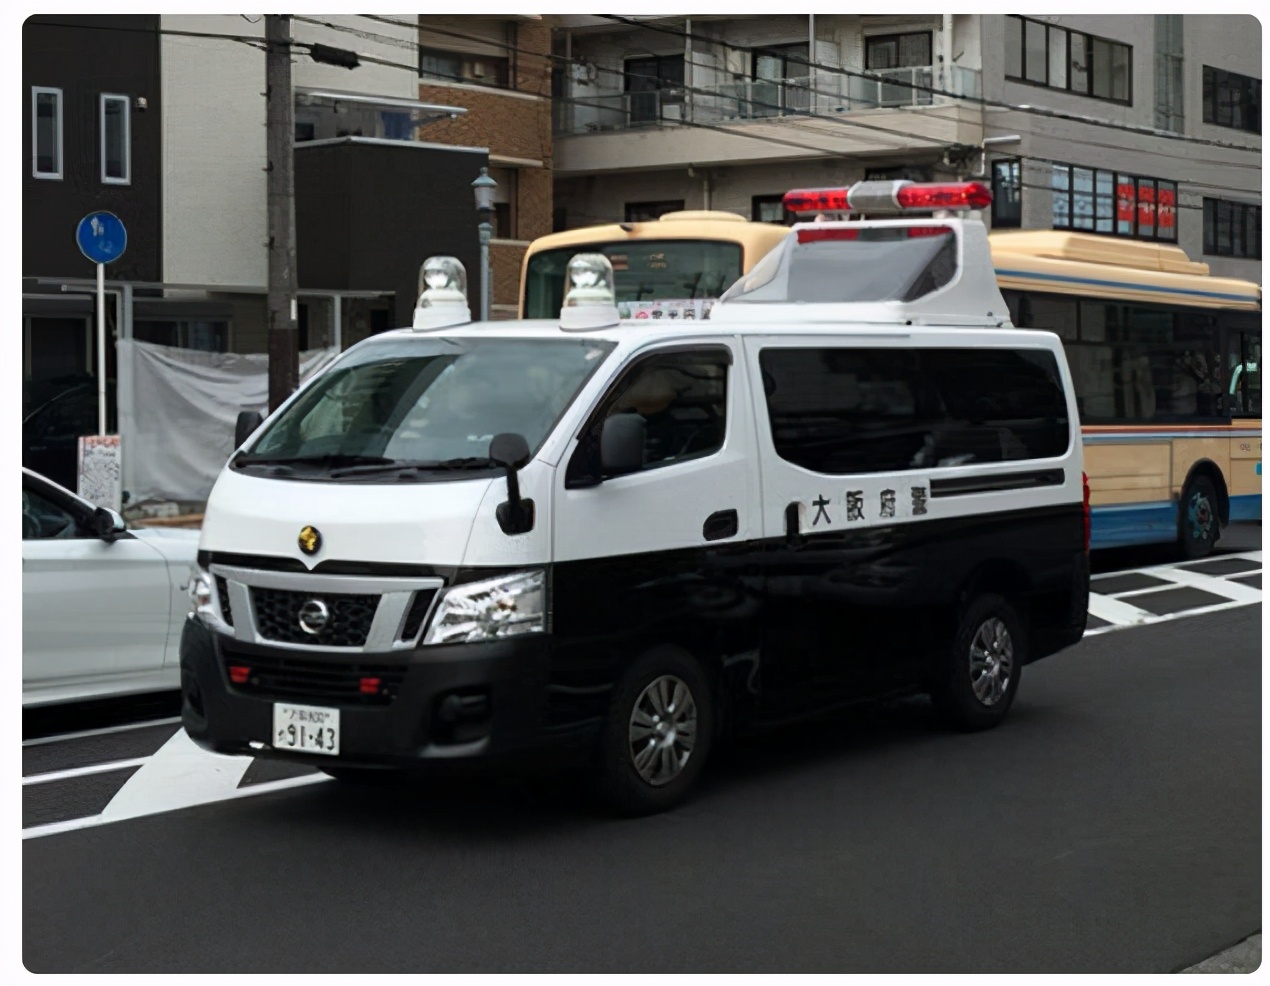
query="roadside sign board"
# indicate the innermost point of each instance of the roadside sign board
(101, 237)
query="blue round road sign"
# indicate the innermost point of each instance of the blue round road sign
(101, 237)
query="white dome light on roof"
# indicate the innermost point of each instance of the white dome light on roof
(442, 294)
(592, 301)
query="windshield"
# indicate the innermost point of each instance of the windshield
(643, 270)
(858, 265)
(426, 404)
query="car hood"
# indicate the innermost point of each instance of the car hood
(404, 523)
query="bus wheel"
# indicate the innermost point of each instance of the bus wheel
(980, 674)
(1198, 526)
(657, 735)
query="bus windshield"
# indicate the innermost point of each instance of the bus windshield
(643, 270)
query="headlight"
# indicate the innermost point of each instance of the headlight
(202, 598)
(506, 606)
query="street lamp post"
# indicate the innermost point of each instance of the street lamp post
(483, 188)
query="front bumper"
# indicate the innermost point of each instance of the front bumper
(463, 704)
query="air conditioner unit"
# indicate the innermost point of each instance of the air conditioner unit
(672, 113)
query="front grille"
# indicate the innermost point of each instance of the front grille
(310, 680)
(348, 623)
(222, 592)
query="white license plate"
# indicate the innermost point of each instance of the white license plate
(306, 729)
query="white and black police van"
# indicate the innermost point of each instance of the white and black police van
(523, 542)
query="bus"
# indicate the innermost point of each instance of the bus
(672, 267)
(1166, 363)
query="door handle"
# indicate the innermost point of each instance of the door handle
(720, 524)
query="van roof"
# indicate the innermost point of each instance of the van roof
(647, 332)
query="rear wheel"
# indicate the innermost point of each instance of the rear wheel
(1197, 521)
(979, 676)
(657, 735)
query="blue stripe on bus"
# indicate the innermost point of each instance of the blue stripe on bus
(1141, 523)
(1246, 507)
(1151, 523)
(1122, 285)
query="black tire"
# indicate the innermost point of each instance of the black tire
(674, 761)
(1198, 524)
(991, 643)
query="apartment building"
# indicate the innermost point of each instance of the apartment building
(1136, 125)
(499, 68)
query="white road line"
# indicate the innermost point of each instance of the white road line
(96, 768)
(1182, 614)
(1178, 577)
(1114, 611)
(41, 741)
(72, 824)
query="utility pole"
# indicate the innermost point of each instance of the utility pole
(284, 349)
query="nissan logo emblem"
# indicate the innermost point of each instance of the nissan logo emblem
(313, 616)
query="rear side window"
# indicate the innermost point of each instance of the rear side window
(843, 411)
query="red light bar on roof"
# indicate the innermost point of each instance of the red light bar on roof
(891, 197)
(827, 233)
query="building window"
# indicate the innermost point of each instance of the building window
(458, 66)
(918, 172)
(46, 132)
(780, 78)
(642, 212)
(883, 51)
(770, 209)
(116, 140)
(1091, 200)
(1168, 72)
(1042, 54)
(1232, 100)
(1232, 229)
(1007, 193)
(651, 83)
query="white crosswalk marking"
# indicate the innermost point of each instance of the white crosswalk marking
(1118, 610)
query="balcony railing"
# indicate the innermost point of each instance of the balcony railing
(827, 93)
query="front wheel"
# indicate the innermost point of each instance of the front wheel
(979, 675)
(1197, 522)
(657, 734)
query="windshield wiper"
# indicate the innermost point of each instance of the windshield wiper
(313, 460)
(414, 465)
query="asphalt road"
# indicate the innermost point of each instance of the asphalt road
(1113, 824)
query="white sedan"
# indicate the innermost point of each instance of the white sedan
(102, 605)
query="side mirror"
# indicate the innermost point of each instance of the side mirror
(511, 451)
(248, 422)
(107, 524)
(622, 444)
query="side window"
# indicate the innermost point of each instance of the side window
(847, 411)
(683, 398)
(43, 519)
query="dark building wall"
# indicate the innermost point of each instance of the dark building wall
(85, 56)
(367, 215)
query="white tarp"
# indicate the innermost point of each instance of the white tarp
(177, 411)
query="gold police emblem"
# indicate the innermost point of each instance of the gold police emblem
(310, 540)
